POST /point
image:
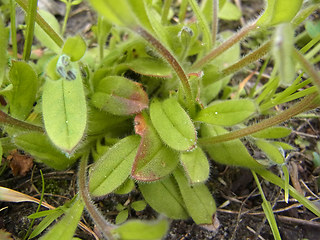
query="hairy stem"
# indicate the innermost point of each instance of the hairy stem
(215, 21)
(97, 217)
(250, 58)
(43, 24)
(308, 68)
(10, 121)
(307, 103)
(223, 47)
(175, 65)
(31, 18)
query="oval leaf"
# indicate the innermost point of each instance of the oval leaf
(227, 113)
(25, 86)
(279, 11)
(198, 199)
(75, 48)
(154, 160)
(120, 96)
(271, 150)
(230, 153)
(164, 197)
(64, 111)
(196, 165)
(173, 124)
(114, 167)
(142, 230)
(40, 147)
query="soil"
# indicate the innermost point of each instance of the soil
(239, 203)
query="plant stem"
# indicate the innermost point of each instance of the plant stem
(97, 217)
(66, 16)
(165, 11)
(175, 65)
(250, 58)
(10, 121)
(43, 24)
(223, 47)
(307, 103)
(183, 10)
(31, 18)
(215, 21)
(308, 68)
(13, 28)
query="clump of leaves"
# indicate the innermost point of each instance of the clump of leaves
(158, 97)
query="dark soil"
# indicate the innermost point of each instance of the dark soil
(239, 203)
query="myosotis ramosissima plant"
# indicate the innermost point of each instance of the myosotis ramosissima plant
(163, 127)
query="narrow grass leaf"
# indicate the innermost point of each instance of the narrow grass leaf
(196, 165)
(3, 49)
(64, 111)
(173, 124)
(154, 160)
(120, 96)
(25, 86)
(198, 199)
(164, 196)
(66, 227)
(227, 113)
(114, 167)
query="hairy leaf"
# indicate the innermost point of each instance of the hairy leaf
(64, 111)
(120, 96)
(198, 199)
(230, 153)
(25, 85)
(173, 124)
(274, 132)
(114, 167)
(196, 166)
(271, 150)
(227, 113)
(154, 160)
(40, 147)
(164, 196)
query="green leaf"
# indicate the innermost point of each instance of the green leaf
(64, 111)
(196, 166)
(173, 124)
(227, 113)
(271, 150)
(139, 205)
(115, 12)
(125, 187)
(25, 85)
(3, 49)
(284, 146)
(229, 11)
(120, 96)
(46, 222)
(230, 153)
(279, 11)
(164, 197)
(65, 228)
(138, 7)
(114, 167)
(75, 47)
(273, 132)
(198, 199)
(148, 66)
(122, 216)
(135, 229)
(42, 36)
(153, 160)
(39, 146)
(312, 28)
(283, 46)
